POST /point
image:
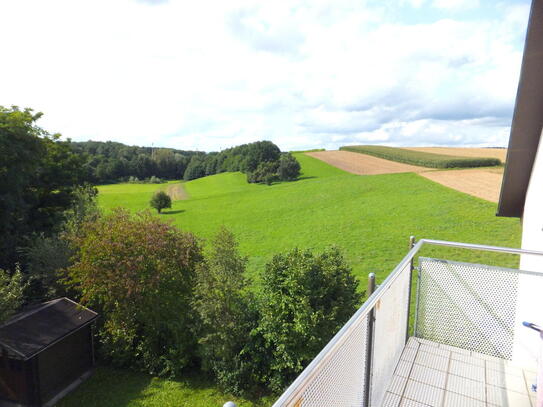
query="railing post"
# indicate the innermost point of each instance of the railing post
(412, 242)
(369, 347)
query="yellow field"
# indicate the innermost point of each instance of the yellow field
(464, 151)
(484, 183)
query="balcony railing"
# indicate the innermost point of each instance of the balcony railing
(464, 308)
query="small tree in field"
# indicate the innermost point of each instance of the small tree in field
(161, 200)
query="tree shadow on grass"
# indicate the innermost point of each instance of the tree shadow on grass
(173, 212)
(308, 177)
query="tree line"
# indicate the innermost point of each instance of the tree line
(110, 161)
(106, 162)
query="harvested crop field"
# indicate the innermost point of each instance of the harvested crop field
(363, 164)
(483, 183)
(499, 153)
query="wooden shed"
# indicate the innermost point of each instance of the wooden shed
(45, 352)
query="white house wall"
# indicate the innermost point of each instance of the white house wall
(530, 301)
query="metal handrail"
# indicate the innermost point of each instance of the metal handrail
(313, 368)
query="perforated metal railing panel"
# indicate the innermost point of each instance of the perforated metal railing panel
(469, 306)
(390, 333)
(339, 381)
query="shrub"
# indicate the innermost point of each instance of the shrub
(422, 158)
(47, 255)
(225, 317)
(161, 200)
(139, 273)
(155, 180)
(289, 168)
(305, 300)
(11, 293)
(266, 172)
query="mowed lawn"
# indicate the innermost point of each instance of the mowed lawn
(109, 387)
(369, 217)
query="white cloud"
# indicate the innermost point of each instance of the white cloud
(208, 75)
(455, 4)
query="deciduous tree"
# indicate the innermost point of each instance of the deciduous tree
(226, 319)
(306, 298)
(38, 174)
(139, 273)
(160, 200)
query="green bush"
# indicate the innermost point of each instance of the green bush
(139, 273)
(46, 255)
(305, 300)
(266, 172)
(161, 200)
(225, 317)
(289, 168)
(422, 158)
(11, 293)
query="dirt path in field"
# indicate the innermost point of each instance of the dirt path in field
(363, 164)
(464, 151)
(176, 192)
(483, 183)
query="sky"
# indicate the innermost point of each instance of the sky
(208, 75)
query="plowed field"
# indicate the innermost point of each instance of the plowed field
(482, 183)
(363, 164)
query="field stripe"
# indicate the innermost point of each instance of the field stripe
(363, 164)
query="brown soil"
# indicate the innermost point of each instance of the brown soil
(480, 182)
(483, 183)
(464, 151)
(363, 164)
(176, 192)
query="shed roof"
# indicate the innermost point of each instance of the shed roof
(527, 120)
(30, 332)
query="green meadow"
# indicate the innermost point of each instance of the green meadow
(369, 217)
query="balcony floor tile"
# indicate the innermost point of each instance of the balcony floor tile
(430, 374)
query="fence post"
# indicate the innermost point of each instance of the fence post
(369, 347)
(412, 242)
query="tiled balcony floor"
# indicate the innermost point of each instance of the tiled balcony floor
(430, 374)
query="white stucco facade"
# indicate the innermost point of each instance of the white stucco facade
(530, 295)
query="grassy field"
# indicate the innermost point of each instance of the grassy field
(122, 388)
(369, 217)
(423, 158)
